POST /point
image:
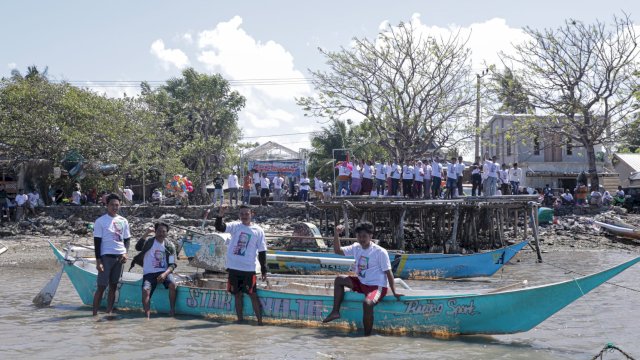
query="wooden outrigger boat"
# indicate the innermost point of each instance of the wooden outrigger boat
(501, 311)
(621, 230)
(405, 266)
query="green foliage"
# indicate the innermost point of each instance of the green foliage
(199, 115)
(510, 93)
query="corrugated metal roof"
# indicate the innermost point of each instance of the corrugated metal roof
(633, 160)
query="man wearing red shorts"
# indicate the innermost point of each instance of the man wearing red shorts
(374, 274)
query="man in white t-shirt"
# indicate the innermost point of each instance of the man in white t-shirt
(318, 188)
(128, 195)
(491, 168)
(407, 179)
(305, 186)
(452, 178)
(356, 178)
(247, 241)
(158, 259)
(427, 179)
(111, 237)
(232, 185)
(436, 177)
(21, 202)
(278, 182)
(373, 268)
(381, 177)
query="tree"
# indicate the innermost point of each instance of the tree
(40, 119)
(200, 113)
(581, 77)
(510, 94)
(412, 90)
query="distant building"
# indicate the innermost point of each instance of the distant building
(628, 166)
(545, 159)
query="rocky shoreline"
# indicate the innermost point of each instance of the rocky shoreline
(27, 241)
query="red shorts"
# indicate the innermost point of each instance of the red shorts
(371, 292)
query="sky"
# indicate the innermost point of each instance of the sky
(265, 48)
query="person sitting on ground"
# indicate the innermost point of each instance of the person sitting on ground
(76, 196)
(374, 274)
(4, 204)
(158, 260)
(607, 199)
(21, 204)
(32, 203)
(567, 198)
(128, 195)
(596, 198)
(156, 197)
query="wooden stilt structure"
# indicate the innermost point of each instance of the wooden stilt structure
(471, 223)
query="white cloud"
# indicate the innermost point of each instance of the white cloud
(188, 38)
(175, 57)
(228, 49)
(12, 66)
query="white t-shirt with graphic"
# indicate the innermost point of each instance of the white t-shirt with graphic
(155, 260)
(371, 263)
(367, 171)
(244, 245)
(112, 231)
(381, 171)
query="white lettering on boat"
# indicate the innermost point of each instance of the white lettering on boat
(461, 309)
(291, 309)
(429, 308)
(209, 299)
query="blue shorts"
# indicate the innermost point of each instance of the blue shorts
(150, 281)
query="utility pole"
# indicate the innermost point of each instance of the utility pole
(478, 77)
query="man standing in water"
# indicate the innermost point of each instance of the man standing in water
(111, 241)
(158, 259)
(247, 241)
(374, 274)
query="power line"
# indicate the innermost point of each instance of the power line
(300, 133)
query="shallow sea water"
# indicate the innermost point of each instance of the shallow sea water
(67, 330)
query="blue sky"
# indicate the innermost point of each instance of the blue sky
(87, 42)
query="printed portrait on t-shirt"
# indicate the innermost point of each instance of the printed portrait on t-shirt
(363, 265)
(159, 259)
(243, 242)
(117, 228)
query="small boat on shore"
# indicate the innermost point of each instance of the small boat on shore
(404, 266)
(499, 311)
(620, 230)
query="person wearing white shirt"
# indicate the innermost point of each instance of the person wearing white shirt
(305, 186)
(374, 274)
(460, 173)
(33, 198)
(427, 179)
(491, 168)
(452, 178)
(318, 188)
(367, 178)
(278, 182)
(232, 185)
(396, 174)
(344, 176)
(246, 243)
(356, 178)
(418, 179)
(381, 177)
(567, 198)
(503, 176)
(407, 180)
(436, 177)
(264, 189)
(515, 176)
(128, 194)
(256, 181)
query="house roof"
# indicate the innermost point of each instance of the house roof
(271, 151)
(633, 160)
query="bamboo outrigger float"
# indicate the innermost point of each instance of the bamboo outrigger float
(501, 311)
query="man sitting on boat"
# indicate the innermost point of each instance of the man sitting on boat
(374, 274)
(157, 258)
(247, 241)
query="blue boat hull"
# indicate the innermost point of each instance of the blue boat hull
(489, 313)
(412, 266)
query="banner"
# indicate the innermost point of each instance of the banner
(288, 168)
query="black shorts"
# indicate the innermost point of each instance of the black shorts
(241, 281)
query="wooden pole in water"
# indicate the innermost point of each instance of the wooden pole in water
(534, 229)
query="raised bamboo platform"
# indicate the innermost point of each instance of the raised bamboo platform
(471, 223)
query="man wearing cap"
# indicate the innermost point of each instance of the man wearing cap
(218, 181)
